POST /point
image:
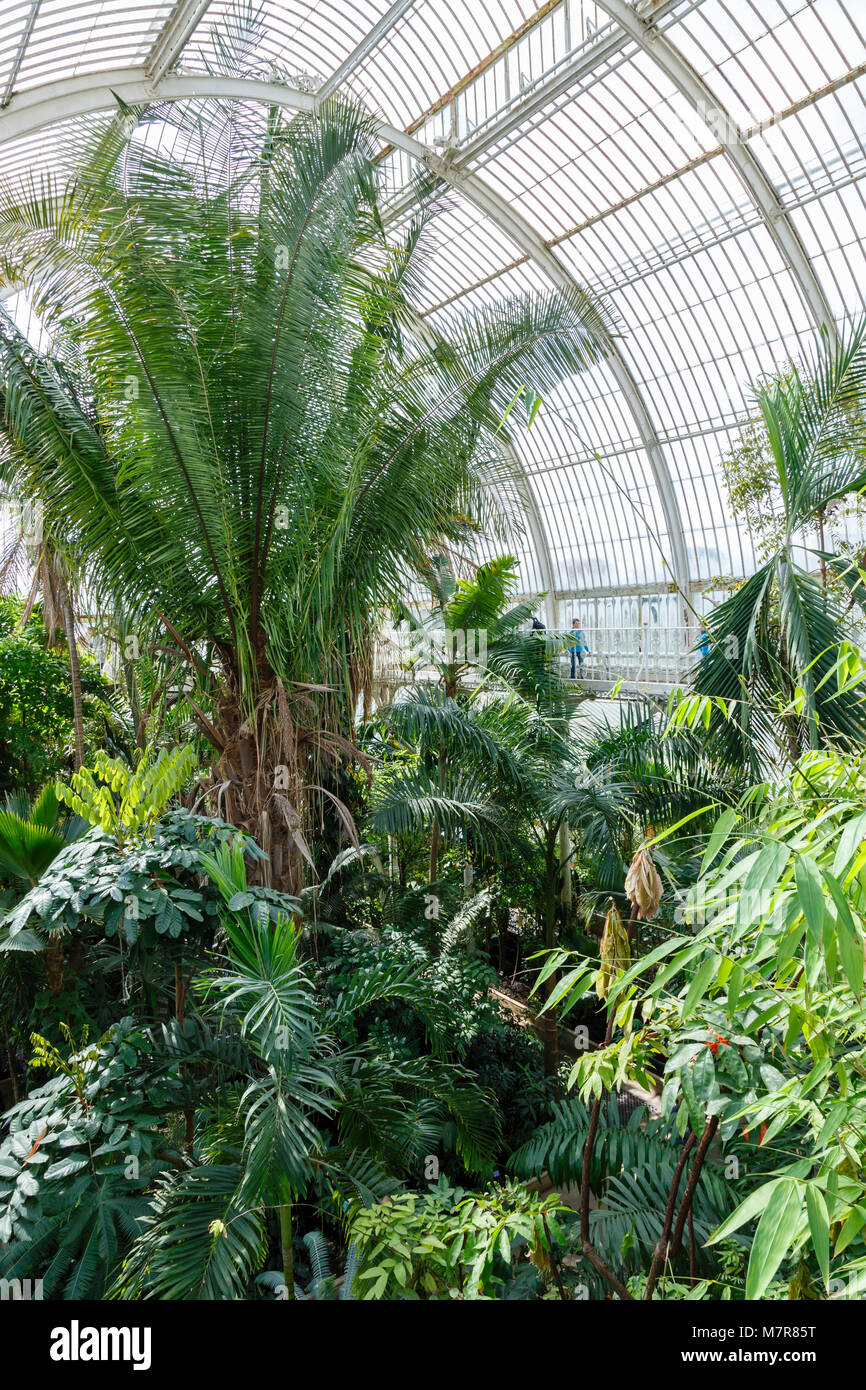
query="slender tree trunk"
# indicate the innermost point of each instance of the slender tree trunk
(557, 1275)
(74, 673)
(433, 867)
(180, 989)
(10, 1062)
(661, 1248)
(707, 1138)
(551, 1032)
(54, 954)
(178, 992)
(286, 1248)
(434, 834)
(822, 546)
(565, 865)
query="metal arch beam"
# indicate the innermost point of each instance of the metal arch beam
(539, 535)
(32, 110)
(365, 47)
(601, 47)
(531, 508)
(499, 212)
(694, 89)
(173, 37)
(36, 108)
(19, 56)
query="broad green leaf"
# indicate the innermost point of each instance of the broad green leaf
(754, 1204)
(819, 1228)
(776, 1232)
(706, 971)
(810, 894)
(849, 939)
(719, 834)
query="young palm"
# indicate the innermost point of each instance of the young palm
(246, 443)
(512, 779)
(473, 632)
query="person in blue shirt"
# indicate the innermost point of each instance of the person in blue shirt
(579, 646)
(704, 644)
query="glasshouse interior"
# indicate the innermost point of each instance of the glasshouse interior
(432, 651)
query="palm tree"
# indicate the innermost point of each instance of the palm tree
(512, 780)
(32, 834)
(246, 444)
(777, 637)
(475, 632)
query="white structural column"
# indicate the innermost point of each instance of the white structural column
(32, 110)
(539, 536)
(692, 86)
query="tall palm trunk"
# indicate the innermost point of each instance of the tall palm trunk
(74, 671)
(434, 830)
(451, 694)
(551, 1029)
(54, 962)
(261, 769)
(286, 1252)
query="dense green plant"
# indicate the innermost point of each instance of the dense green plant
(126, 802)
(80, 1154)
(260, 495)
(36, 712)
(755, 1017)
(305, 1117)
(148, 900)
(447, 1243)
(33, 833)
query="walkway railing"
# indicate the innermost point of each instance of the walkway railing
(652, 658)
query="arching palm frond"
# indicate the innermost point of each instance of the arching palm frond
(780, 632)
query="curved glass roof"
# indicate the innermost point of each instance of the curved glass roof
(699, 162)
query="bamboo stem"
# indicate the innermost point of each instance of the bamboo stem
(706, 1140)
(587, 1248)
(286, 1251)
(661, 1247)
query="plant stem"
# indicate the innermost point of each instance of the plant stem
(706, 1140)
(434, 832)
(13, 1070)
(74, 673)
(286, 1248)
(551, 1033)
(180, 988)
(553, 1264)
(661, 1247)
(588, 1249)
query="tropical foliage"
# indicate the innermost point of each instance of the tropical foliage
(472, 988)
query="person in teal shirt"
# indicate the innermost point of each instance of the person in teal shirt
(579, 646)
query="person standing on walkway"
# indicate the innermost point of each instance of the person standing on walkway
(579, 647)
